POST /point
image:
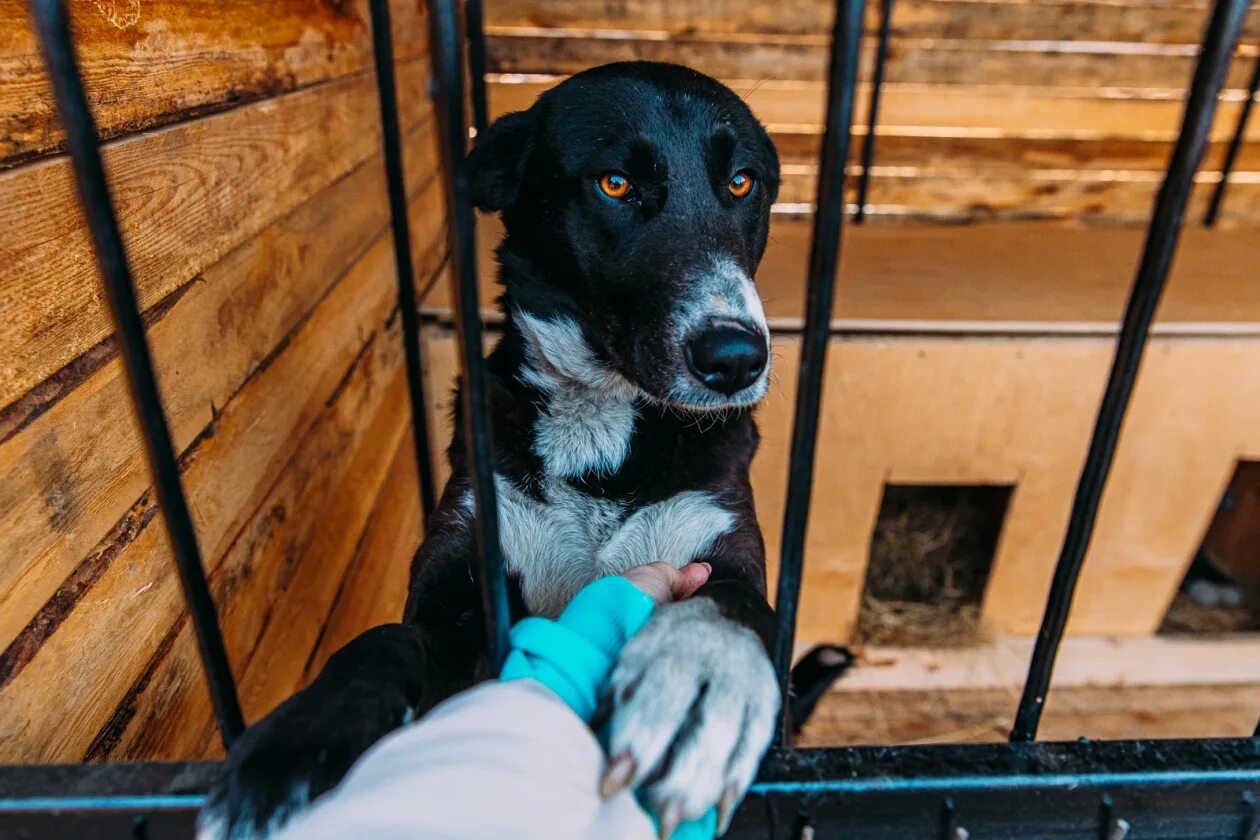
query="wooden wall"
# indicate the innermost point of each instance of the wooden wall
(245, 162)
(993, 109)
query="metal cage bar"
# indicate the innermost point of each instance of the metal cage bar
(83, 145)
(824, 258)
(1235, 146)
(474, 28)
(391, 137)
(448, 91)
(1161, 242)
(872, 111)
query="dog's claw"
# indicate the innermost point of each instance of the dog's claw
(618, 775)
(726, 809)
(671, 816)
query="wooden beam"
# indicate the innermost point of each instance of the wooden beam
(166, 60)
(71, 462)
(185, 196)
(1176, 23)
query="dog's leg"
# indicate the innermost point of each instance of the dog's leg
(379, 681)
(694, 697)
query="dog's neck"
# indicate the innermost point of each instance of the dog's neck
(588, 410)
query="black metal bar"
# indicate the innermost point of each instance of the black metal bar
(1161, 243)
(1167, 789)
(1235, 146)
(448, 92)
(383, 46)
(824, 257)
(474, 26)
(872, 113)
(83, 144)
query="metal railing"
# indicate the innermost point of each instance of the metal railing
(1190, 788)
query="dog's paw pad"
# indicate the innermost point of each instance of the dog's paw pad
(694, 704)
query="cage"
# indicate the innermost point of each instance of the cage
(1157, 788)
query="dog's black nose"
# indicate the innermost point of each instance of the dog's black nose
(727, 359)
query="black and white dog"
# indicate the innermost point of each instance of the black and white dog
(636, 199)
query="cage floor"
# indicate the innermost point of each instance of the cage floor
(985, 715)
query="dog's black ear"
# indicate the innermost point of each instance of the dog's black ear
(496, 164)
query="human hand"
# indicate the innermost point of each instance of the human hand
(663, 583)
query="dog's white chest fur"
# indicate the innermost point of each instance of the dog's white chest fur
(558, 544)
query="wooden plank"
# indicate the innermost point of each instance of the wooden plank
(1172, 22)
(144, 66)
(999, 154)
(186, 196)
(133, 601)
(1002, 110)
(374, 589)
(1002, 663)
(167, 714)
(985, 715)
(72, 464)
(935, 61)
(1082, 196)
(986, 278)
(291, 639)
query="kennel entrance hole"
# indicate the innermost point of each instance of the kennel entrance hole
(930, 556)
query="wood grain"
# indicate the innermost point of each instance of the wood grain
(227, 475)
(151, 64)
(280, 659)
(1165, 22)
(56, 502)
(936, 61)
(185, 197)
(374, 588)
(166, 713)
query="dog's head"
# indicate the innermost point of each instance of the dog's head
(636, 199)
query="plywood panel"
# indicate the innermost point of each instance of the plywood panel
(924, 411)
(71, 462)
(145, 65)
(1192, 419)
(1178, 23)
(185, 196)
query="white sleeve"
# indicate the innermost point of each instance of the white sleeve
(501, 760)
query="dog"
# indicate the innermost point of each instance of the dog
(636, 203)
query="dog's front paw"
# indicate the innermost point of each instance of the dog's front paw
(694, 704)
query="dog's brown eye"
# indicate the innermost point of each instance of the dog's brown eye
(614, 185)
(741, 185)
